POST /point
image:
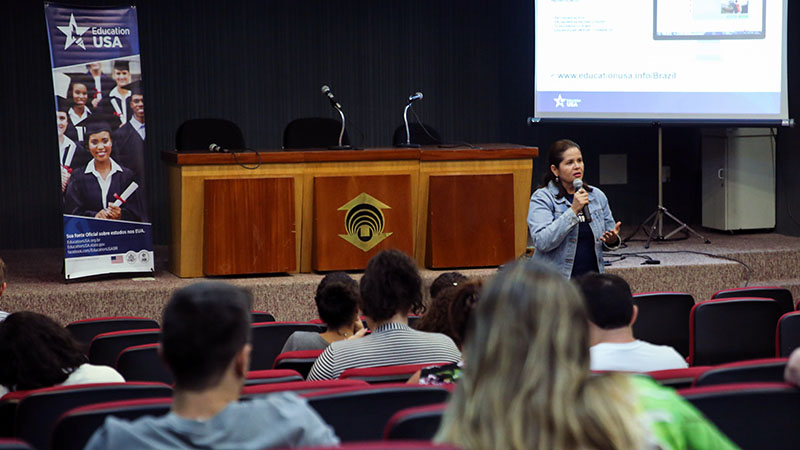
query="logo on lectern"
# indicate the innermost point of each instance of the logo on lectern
(364, 221)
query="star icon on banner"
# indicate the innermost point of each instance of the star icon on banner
(559, 101)
(73, 33)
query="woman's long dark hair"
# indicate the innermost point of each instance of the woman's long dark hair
(555, 154)
(36, 352)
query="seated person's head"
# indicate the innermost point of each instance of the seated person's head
(2, 276)
(36, 352)
(444, 281)
(205, 335)
(451, 310)
(609, 300)
(792, 371)
(391, 285)
(337, 300)
(526, 371)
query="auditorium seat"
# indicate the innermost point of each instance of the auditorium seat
(313, 133)
(752, 415)
(753, 371)
(678, 378)
(261, 316)
(360, 414)
(781, 295)
(301, 361)
(75, 427)
(419, 422)
(14, 444)
(301, 387)
(388, 445)
(38, 409)
(85, 330)
(269, 337)
(787, 338)
(142, 363)
(417, 133)
(734, 329)
(105, 348)
(271, 376)
(663, 319)
(385, 374)
(198, 134)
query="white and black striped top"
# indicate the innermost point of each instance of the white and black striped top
(390, 344)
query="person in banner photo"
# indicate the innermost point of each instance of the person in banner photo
(103, 189)
(72, 155)
(102, 83)
(116, 105)
(129, 138)
(79, 111)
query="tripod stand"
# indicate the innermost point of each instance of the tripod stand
(656, 219)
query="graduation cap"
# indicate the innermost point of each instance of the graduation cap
(79, 78)
(94, 125)
(63, 104)
(122, 65)
(135, 87)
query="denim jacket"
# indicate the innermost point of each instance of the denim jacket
(553, 227)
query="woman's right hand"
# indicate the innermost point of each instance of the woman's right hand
(580, 200)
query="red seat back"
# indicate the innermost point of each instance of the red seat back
(385, 374)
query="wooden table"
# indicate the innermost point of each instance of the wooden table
(445, 207)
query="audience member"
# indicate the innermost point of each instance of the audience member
(460, 301)
(792, 371)
(337, 305)
(527, 383)
(445, 280)
(36, 352)
(3, 314)
(436, 313)
(205, 343)
(611, 315)
(391, 288)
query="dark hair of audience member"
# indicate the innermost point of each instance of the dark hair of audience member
(203, 326)
(446, 280)
(2, 271)
(337, 300)
(390, 285)
(36, 352)
(608, 298)
(450, 311)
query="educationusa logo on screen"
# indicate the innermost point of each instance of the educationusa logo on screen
(562, 102)
(102, 37)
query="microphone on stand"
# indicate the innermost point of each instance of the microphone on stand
(577, 183)
(327, 91)
(411, 99)
(216, 148)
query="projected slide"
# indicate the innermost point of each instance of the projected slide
(660, 59)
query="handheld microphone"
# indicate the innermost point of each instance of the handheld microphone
(577, 183)
(414, 97)
(327, 91)
(216, 148)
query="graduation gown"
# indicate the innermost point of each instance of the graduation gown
(129, 150)
(83, 195)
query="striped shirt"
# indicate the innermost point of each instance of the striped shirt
(390, 344)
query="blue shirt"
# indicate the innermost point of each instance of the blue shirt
(553, 227)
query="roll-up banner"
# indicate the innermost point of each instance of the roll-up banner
(97, 79)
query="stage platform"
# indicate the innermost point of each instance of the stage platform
(35, 282)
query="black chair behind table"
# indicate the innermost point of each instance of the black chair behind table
(105, 348)
(752, 415)
(788, 335)
(142, 363)
(74, 428)
(418, 135)
(781, 295)
(768, 370)
(198, 134)
(269, 337)
(301, 361)
(85, 330)
(419, 422)
(361, 414)
(736, 329)
(38, 410)
(663, 319)
(313, 132)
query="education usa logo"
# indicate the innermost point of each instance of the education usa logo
(562, 102)
(102, 37)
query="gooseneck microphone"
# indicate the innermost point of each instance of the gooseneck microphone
(411, 99)
(216, 148)
(327, 91)
(577, 183)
